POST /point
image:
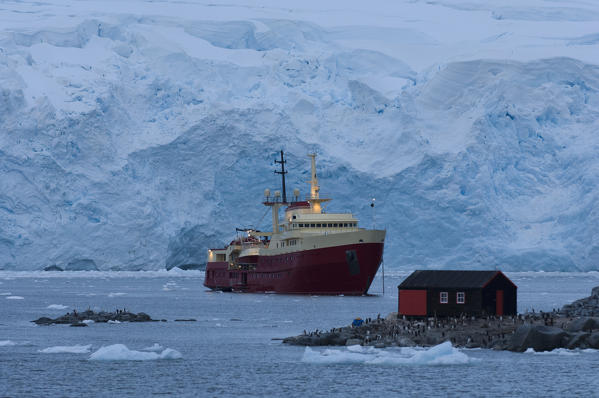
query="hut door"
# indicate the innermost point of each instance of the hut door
(499, 302)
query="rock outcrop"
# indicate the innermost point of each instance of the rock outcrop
(81, 318)
(583, 324)
(82, 264)
(586, 307)
(538, 331)
(538, 337)
(53, 268)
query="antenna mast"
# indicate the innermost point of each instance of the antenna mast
(282, 173)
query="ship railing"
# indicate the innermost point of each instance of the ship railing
(249, 245)
(273, 199)
(320, 196)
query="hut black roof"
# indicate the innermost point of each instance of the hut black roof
(449, 279)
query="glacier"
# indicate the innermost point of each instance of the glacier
(136, 137)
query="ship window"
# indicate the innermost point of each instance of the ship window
(330, 225)
(318, 225)
(301, 225)
(312, 225)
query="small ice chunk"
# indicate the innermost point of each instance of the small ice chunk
(15, 298)
(120, 352)
(57, 307)
(115, 321)
(65, 349)
(556, 351)
(118, 294)
(155, 348)
(6, 294)
(88, 321)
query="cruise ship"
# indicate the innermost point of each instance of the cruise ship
(308, 251)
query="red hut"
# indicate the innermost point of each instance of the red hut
(453, 293)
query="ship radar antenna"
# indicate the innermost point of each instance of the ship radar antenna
(282, 173)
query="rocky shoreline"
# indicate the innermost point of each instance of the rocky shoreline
(82, 319)
(574, 326)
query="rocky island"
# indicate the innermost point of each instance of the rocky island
(76, 318)
(574, 326)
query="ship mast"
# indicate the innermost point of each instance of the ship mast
(282, 173)
(275, 202)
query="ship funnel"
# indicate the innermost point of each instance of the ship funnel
(277, 194)
(267, 193)
(296, 193)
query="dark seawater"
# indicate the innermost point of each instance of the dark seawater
(229, 351)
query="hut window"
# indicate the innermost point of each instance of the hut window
(443, 297)
(460, 297)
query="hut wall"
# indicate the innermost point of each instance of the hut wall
(510, 294)
(471, 306)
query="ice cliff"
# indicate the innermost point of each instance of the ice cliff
(138, 137)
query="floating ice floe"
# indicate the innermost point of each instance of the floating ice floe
(442, 354)
(561, 351)
(88, 321)
(118, 294)
(7, 343)
(114, 321)
(5, 294)
(170, 285)
(120, 352)
(65, 349)
(57, 307)
(15, 298)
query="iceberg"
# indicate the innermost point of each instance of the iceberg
(442, 354)
(120, 352)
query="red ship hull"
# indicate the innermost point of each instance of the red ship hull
(347, 269)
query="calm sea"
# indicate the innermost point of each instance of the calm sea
(230, 351)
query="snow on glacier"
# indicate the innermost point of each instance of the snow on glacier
(137, 137)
